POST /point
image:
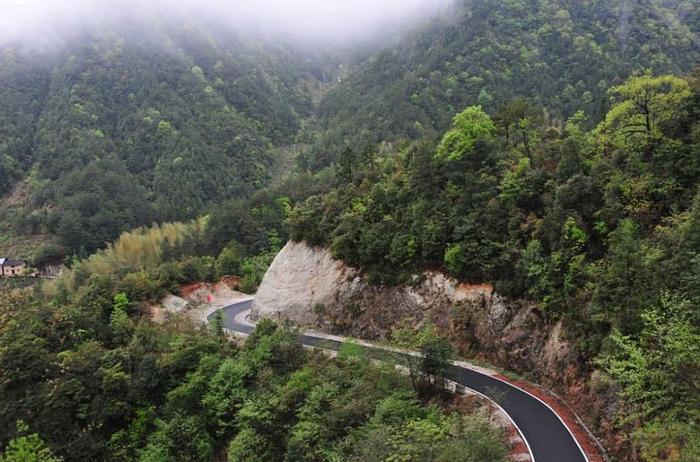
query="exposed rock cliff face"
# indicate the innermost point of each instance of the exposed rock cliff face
(299, 278)
(307, 286)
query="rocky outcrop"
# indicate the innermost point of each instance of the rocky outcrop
(300, 278)
(308, 287)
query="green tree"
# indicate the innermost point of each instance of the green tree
(347, 164)
(435, 355)
(642, 106)
(624, 285)
(455, 259)
(229, 261)
(180, 439)
(119, 322)
(659, 376)
(468, 127)
(250, 446)
(217, 326)
(27, 448)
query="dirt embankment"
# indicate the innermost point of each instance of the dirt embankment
(307, 286)
(198, 300)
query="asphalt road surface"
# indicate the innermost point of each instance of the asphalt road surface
(546, 435)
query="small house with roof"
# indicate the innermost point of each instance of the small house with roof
(11, 268)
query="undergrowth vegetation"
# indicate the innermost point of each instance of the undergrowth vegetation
(99, 384)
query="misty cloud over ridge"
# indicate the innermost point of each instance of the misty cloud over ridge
(44, 21)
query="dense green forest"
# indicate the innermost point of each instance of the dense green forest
(600, 226)
(152, 122)
(563, 54)
(123, 128)
(550, 147)
(87, 375)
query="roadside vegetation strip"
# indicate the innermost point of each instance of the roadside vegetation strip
(589, 446)
(333, 343)
(401, 357)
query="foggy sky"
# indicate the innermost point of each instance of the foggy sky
(311, 20)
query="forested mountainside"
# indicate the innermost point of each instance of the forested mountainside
(563, 55)
(548, 147)
(87, 375)
(159, 120)
(599, 226)
(152, 122)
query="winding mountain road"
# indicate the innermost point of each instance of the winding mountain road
(545, 433)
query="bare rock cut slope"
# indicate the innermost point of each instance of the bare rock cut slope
(309, 287)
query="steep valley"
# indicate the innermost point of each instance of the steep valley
(512, 182)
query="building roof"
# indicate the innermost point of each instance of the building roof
(9, 262)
